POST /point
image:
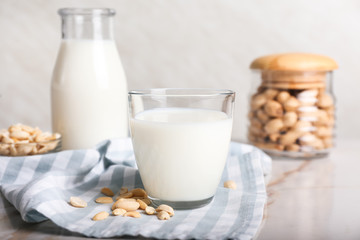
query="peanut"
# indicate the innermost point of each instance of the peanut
(258, 101)
(139, 192)
(230, 184)
(118, 212)
(104, 200)
(7, 139)
(77, 202)
(13, 151)
(307, 139)
(274, 136)
(166, 208)
(289, 119)
(291, 104)
(127, 205)
(328, 142)
(256, 123)
(4, 149)
(163, 215)
(273, 109)
(325, 101)
(122, 200)
(292, 148)
(270, 146)
(262, 116)
(107, 191)
(149, 210)
(125, 195)
(20, 135)
(324, 132)
(133, 214)
(274, 126)
(304, 126)
(146, 200)
(282, 97)
(289, 138)
(100, 216)
(271, 93)
(123, 190)
(308, 93)
(24, 149)
(143, 205)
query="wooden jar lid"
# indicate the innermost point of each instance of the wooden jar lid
(294, 70)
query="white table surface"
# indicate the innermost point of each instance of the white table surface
(308, 199)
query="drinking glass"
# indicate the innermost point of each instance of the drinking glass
(181, 141)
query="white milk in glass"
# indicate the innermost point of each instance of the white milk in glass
(181, 152)
(89, 93)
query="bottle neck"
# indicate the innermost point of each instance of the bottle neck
(89, 24)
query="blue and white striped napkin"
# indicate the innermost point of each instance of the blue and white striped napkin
(40, 187)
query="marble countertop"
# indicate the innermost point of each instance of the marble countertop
(308, 199)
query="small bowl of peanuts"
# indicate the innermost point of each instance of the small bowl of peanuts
(23, 140)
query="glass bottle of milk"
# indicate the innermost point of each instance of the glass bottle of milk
(88, 89)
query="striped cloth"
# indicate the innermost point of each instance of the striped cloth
(40, 187)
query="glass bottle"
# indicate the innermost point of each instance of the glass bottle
(292, 105)
(88, 89)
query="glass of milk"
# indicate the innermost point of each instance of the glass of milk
(181, 141)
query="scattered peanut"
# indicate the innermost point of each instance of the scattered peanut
(166, 208)
(143, 205)
(104, 200)
(125, 195)
(123, 190)
(139, 192)
(107, 191)
(121, 200)
(100, 216)
(230, 184)
(133, 214)
(163, 215)
(146, 200)
(77, 202)
(118, 212)
(150, 210)
(127, 205)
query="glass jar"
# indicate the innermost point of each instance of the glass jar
(88, 89)
(292, 105)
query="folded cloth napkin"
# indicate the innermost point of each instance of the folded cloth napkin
(40, 188)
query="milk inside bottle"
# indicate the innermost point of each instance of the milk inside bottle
(88, 90)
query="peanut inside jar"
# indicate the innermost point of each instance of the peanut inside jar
(292, 110)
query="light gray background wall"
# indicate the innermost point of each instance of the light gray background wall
(182, 43)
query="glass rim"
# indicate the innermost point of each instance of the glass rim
(182, 92)
(87, 11)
